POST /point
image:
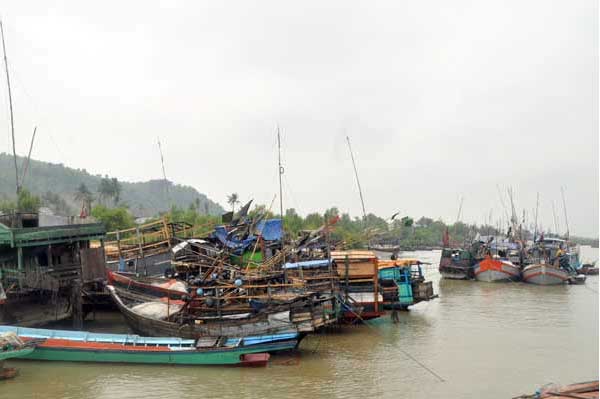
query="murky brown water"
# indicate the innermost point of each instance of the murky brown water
(484, 340)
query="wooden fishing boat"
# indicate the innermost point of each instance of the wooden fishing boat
(545, 274)
(260, 323)
(456, 264)
(76, 346)
(582, 390)
(492, 269)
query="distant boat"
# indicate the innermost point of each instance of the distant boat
(545, 274)
(77, 346)
(492, 269)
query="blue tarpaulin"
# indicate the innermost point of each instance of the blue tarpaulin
(270, 230)
(237, 245)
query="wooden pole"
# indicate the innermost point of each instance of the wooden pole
(12, 122)
(26, 167)
(562, 193)
(362, 201)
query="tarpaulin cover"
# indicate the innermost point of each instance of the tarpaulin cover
(237, 245)
(307, 264)
(270, 230)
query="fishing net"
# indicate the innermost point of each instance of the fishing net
(173, 285)
(156, 310)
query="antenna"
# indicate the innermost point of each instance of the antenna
(162, 161)
(12, 123)
(280, 172)
(26, 167)
(562, 193)
(362, 201)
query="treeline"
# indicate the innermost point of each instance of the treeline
(406, 232)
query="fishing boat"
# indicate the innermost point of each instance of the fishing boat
(545, 274)
(550, 264)
(153, 317)
(494, 268)
(77, 346)
(456, 264)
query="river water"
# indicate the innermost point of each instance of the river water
(477, 340)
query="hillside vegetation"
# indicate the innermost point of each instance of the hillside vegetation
(57, 185)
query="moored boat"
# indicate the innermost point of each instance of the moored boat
(76, 346)
(496, 269)
(545, 274)
(581, 390)
(170, 321)
(456, 264)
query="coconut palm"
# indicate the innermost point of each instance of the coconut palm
(84, 195)
(233, 199)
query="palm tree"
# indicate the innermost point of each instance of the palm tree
(105, 189)
(84, 195)
(116, 190)
(232, 200)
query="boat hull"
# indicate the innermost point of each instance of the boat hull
(63, 350)
(455, 274)
(492, 270)
(16, 353)
(545, 275)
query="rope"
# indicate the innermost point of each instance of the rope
(411, 357)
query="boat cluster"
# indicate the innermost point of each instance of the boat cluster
(545, 261)
(231, 295)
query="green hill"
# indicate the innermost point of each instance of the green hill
(57, 184)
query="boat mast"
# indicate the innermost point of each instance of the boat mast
(362, 201)
(162, 161)
(555, 219)
(562, 193)
(12, 123)
(280, 172)
(26, 167)
(537, 205)
(460, 205)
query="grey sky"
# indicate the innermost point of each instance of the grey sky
(441, 99)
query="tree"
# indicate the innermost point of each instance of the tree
(105, 189)
(113, 218)
(233, 199)
(115, 190)
(28, 202)
(84, 195)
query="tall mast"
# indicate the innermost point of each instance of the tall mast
(12, 123)
(280, 172)
(162, 161)
(26, 167)
(537, 205)
(460, 205)
(362, 201)
(562, 193)
(555, 219)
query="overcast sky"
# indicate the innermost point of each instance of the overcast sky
(440, 99)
